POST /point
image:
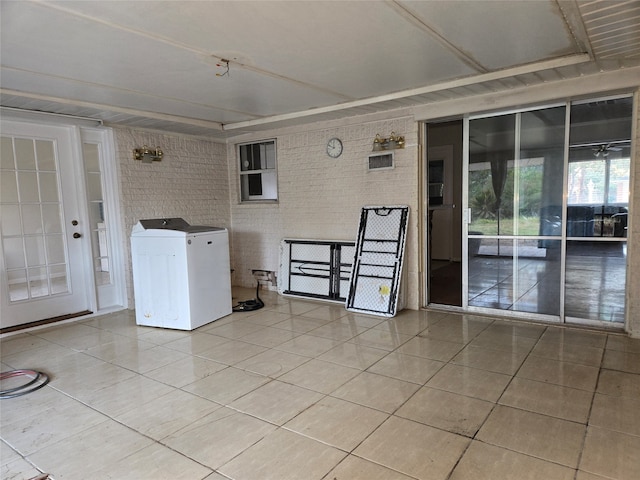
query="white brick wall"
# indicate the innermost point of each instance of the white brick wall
(191, 181)
(321, 197)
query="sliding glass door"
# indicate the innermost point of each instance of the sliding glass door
(597, 210)
(547, 200)
(515, 200)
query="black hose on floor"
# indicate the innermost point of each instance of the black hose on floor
(38, 380)
(250, 305)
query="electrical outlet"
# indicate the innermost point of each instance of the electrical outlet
(265, 276)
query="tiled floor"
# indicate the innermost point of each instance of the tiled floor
(302, 390)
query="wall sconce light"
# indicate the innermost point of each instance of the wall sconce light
(393, 142)
(147, 155)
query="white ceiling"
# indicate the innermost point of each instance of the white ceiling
(160, 64)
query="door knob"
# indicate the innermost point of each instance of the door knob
(77, 235)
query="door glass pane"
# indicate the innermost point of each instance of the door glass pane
(11, 223)
(523, 278)
(32, 219)
(58, 275)
(598, 206)
(17, 285)
(38, 282)
(48, 186)
(596, 280)
(9, 185)
(51, 218)
(94, 186)
(25, 155)
(490, 280)
(491, 154)
(537, 277)
(514, 194)
(55, 249)
(102, 271)
(6, 153)
(34, 247)
(46, 156)
(97, 217)
(14, 252)
(598, 209)
(540, 171)
(27, 219)
(28, 186)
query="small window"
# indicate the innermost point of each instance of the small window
(258, 174)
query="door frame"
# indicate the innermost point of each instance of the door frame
(423, 203)
(80, 130)
(561, 318)
(79, 297)
(114, 295)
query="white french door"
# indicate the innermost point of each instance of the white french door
(45, 257)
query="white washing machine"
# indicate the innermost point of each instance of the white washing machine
(181, 273)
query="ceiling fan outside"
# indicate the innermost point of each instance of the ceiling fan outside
(604, 149)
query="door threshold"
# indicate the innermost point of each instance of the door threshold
(445, 307)
(46, 321)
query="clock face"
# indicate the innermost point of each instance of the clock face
(334, 148)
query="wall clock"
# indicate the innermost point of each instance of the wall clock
(334, 147)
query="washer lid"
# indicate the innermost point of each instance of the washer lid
(169, 225)
(203, 228)
(179, 224)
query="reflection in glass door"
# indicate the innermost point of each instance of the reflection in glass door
(547, 211)
(515, 202)
(33, 240)
(98, 225)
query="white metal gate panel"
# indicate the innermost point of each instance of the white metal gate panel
(315, 268)
(377, 269)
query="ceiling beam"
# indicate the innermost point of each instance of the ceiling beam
(462, 82)
(604, 83)
(573, 19)
(415, 19)
(35, 115)
(112, 108)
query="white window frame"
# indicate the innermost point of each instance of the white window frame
(268, 176)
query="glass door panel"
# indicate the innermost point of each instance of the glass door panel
(547, 226)
(597, 209)
(491, 154)
(43, 268)
(595, 280)
(540, 174)
(515, 193)
(537, 277)
(99, 233)
(35, 254)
